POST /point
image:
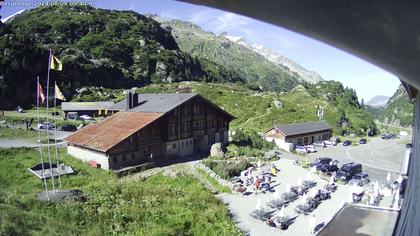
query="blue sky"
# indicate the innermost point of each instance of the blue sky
(331, 63)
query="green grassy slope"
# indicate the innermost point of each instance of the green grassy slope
(257, 111)
(159, 205)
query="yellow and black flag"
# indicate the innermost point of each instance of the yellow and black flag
(56, 64)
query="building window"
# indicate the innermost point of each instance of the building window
(186, 127)
(186, 110)
(114, 159)
(155, 132)
(124, 158)
(174, 146)
(196, 110)
(172, 129)
(182, 144)
(133, 155)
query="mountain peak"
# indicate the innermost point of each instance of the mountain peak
(378, 101)
(276, 58)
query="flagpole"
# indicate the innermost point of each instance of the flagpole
(39, 138)
(48, 136)
(55, 139)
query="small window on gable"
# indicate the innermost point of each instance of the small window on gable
(124, 158)
(174, 146)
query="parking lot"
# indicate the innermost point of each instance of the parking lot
(377, 156)
(241, 205)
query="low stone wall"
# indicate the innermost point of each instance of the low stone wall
(212, 174)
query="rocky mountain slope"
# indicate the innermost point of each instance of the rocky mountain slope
(398, 111)
(249, 62)
(293, 68)
(378, 101)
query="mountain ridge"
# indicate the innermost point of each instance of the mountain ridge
(378, 101)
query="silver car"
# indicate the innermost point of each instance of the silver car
(360, 179)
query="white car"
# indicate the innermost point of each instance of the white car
(85, 117)
(330, 143)
(310, 148)
(301, 149)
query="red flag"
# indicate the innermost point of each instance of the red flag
(41, 93)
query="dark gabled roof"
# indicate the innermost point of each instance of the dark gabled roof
(86, 106)
(161, 102)
(302, 128)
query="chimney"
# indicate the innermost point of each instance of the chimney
(129, 101)
(132, 100)
(135, 99)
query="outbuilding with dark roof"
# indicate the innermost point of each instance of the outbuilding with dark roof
(300, 133)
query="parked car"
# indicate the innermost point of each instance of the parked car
(362, 141)
(321, 160)
(301, 149)
(388, 136)
(409, 145)
(310, 148)
(71, 128)
(329, 167)
(19, 109)
(335, 139)
(360, 179)
(347, 143)
(319, 144)
(347, 171)
(330, 143)
(85, 117)
(46, 125)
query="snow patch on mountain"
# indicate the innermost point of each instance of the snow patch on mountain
(276, 58)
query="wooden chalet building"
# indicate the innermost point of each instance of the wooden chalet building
(149, 127)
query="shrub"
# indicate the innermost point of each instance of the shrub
(227, 169)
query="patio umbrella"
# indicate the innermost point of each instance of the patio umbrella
(331, 179)
(276, 195)
(303, 199)
(258, 207)
(397, 199)
(281, 212)
(312, 193)
(400, 179)
(312, 224)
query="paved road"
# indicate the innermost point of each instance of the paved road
(378, 156)
(10, 143)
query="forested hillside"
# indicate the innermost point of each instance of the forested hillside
(398, 111)
(114, 49)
